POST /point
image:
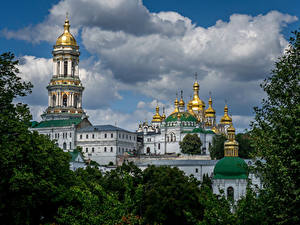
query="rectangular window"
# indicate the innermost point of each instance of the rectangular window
(86, 150)
(111, 135)
(196, 170)
(111, 149)
(70, 134)
(119, 135)
(93, 136)
(93, 150)
(80, 136)
(65, 68)
(104, 149)
(105, 135)
(129, 137)
(158, 145)
(87, 136)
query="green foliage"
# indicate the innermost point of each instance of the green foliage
(34, 172)
(217, 148)
(276, 136)
(169, 196)
(191, 144)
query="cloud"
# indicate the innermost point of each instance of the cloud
(156, 54)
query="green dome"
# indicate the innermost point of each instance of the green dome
(184, 116)
(231, 168)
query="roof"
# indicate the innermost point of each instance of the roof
(102, 128)
(187, 162)
(57, 123)
(74, 155)
(200, 130)
(231, 168)
(184, 116)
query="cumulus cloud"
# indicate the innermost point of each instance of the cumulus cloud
(156, 55)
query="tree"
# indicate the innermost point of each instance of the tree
(191, 144)
(276, 137)
(34, 171)
(170, 197)
(217, 148)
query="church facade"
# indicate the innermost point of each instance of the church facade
(164, 133)
(66, 122)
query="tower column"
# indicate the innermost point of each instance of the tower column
(49, 100)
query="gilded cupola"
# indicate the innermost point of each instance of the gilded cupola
(231, 146)
(197, 103)
(181, 102)
(226, 119)
(163, 117)
(157, 117)
(176, 104)
(210, 112)
(66, 38)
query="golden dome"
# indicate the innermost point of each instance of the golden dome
(210, 112)
(157, 117)
(231, 146)
(66, 38)
(163, 117)
(226, 119)
(176, 103)
(197, 103)
(181, 102)
(214, 129)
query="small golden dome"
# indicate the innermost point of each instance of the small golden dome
(196, 86)
(176, 103)
(210, 112)
(163, 117)
(231, 129)
(157, 117)
(66, 38)
(214, 129)
(226, 119)
(181, 102)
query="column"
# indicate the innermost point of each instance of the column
(69, 67)
(72, 102)
(49, 100)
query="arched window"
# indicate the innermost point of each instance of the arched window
(148, 150)
(230, 193)
(58, 68)
(65, 68)
(70, 145)
(73, 68)
(158, 145)
(54, 100)
(93, 150)
(65, 100)
(75, 101)
(64, 145)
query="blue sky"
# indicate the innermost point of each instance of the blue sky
(135, 54)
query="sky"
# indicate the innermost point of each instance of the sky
(136, 54)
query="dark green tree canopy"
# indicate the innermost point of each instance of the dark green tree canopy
(191, 144)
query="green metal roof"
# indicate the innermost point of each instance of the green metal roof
(34, 123)
(184, 116)
(74, 155)
(231, 168)
(58, 123)
(200, 130)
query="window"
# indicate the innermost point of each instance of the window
(111, 135)
(119, 135)
(129, 137)
(93, 136)
(87, 150)
(70, 134)
(58, 135)
(123, 136)
(93, 150)
(80, 136)
(105, 135)
(230, 193)
(65, 68)
(64, 145)
(65, 100)
(196, 170)
(87, 136)
(70, 145)
(55, 135)
(111, 149)
(54, 100)
(104, 149)
(126, 136)
(119, 149)
(58, 68)
(73, 68)
(158, 145)
(148, 150)
(63, 135)
(75, 101)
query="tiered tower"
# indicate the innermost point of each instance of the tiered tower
(65, 88)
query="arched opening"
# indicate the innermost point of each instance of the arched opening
(75, 101)
(65, 68)
(54, 100)
(73, 68)
(148, 150)
(230, 193)
(58, 68)
(64, 145)
(65, 100)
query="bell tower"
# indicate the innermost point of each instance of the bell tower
(65, 88)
